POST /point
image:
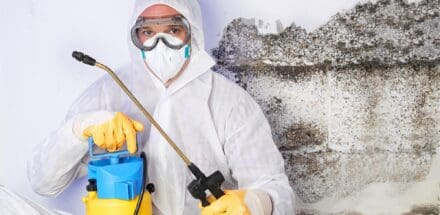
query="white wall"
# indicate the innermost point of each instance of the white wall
(39, 79)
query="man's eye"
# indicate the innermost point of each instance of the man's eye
(147, 32)
(175, 30)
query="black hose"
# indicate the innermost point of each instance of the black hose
(144, 178)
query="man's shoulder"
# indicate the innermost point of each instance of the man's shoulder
(106, 82)
(229, 94)
(231, 104)
(225, 87)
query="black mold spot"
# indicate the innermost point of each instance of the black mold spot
(424, 210)
(302, 135)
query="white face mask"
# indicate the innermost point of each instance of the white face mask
(163, 61)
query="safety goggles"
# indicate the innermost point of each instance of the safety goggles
(145, 29)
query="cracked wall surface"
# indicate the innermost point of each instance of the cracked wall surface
(354, 105)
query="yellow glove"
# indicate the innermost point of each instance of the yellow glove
(232, 203)
(112, 134)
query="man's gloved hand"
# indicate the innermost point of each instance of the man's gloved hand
(232, 203)
(112, 134)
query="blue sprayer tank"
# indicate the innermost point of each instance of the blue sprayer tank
(115, 183)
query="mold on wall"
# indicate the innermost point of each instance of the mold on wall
(354, 105)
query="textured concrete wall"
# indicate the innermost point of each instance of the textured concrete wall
(354, 105)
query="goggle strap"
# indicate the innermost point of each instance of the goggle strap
(187, 51)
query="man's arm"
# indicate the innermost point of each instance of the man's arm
(62, 156)
(254, 159)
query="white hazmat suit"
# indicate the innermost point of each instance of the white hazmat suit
(215, 122)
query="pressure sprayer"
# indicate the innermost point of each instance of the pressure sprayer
(201, 183)
(117, 183)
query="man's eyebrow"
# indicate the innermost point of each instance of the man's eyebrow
(174, 25)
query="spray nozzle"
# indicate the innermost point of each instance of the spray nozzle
(81, 57)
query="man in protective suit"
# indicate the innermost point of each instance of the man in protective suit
(215, 122)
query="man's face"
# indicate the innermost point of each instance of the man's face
(156, 12)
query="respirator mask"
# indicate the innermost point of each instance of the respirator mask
(164, 44)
